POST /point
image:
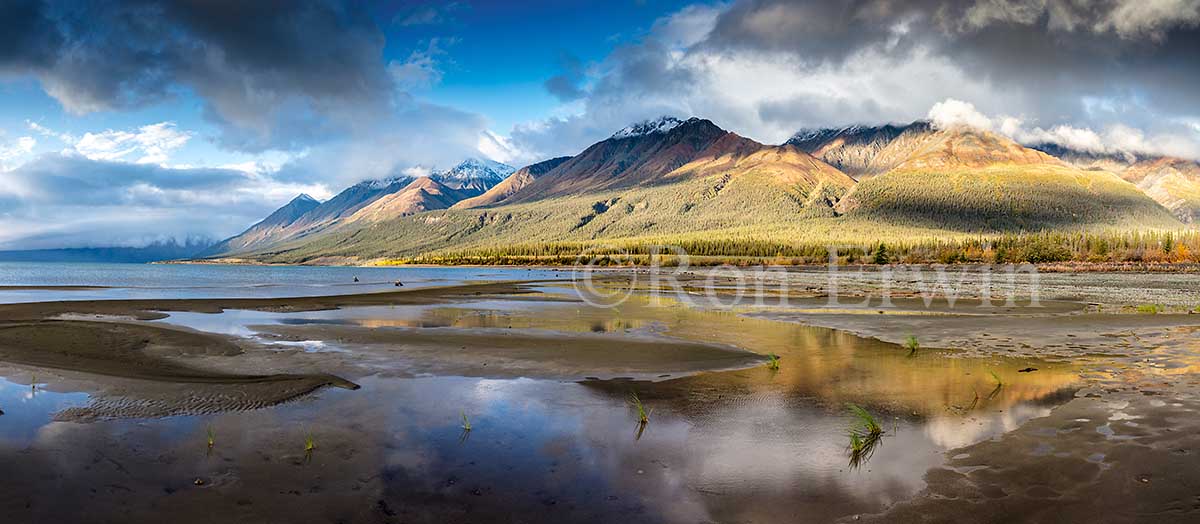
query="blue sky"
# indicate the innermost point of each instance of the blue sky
(494, 59)
(161, 100)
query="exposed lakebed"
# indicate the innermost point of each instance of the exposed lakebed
(544, 380)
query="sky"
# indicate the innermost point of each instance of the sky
(134, 121)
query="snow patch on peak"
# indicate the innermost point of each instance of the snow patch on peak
(384, 183)
(650, 127)
(475, 174)
(475, 166)
(304, 197)
(825, 133)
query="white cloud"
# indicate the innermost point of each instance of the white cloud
(953, 113)
(152, 143)
(502, 149)
(420, 70)
(1135, 18)
(58, 200)
(11, 152)
(148, 144)
(1113, 139)
(416, 171)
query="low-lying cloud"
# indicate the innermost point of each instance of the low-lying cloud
(70, 200)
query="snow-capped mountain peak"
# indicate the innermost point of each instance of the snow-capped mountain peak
(474, 174)
(649, 127)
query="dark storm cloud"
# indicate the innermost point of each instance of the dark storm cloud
(1060, 49)
(769, 67)
(54, 178)
(258, 66)
(567, 86)
(27, 36)
(564, 87)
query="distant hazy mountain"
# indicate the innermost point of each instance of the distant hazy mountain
(155, 252)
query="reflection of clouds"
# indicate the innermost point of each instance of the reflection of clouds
(746, 455)
(757, 453)
(949, 432)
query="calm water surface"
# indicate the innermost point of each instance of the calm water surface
(224, 281)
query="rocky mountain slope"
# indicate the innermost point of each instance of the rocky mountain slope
(863, 151)
(473, 176)
(269, 229)
(641, 154)
(511, 185)
(973, 180)
(1172, 182)
(423, 194)
(370, 200)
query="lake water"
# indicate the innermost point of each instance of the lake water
(742, 445)
(225, 281)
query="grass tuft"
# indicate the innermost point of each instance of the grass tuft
(1151, 309)
(867, 425)
(772, 362)
(912, 344)
(466, 423)
(865, 436)
(642, 414)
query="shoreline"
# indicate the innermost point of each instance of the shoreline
(1045, 267)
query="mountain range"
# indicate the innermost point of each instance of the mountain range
(676, 179)
(152, 252)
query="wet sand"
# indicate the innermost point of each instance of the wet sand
(51, 288)
(154, 309)
(195, 373)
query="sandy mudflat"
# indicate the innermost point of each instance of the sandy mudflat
(504, 353)
(1103, 430)
(51, 288)
(182, 371)
(154, 309)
